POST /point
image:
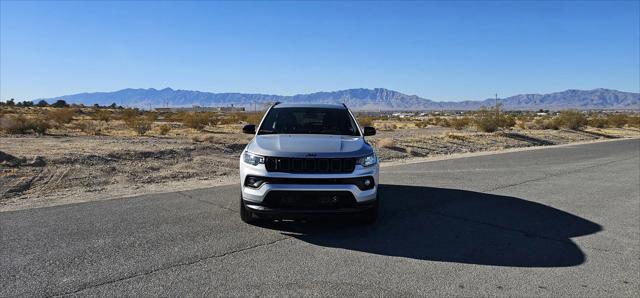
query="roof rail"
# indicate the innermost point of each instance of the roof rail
(275, 103)
(345, 105)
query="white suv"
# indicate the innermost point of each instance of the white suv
(305, 160)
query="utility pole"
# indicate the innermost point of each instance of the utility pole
(497, 109)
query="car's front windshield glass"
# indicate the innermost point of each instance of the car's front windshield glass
(309, 121)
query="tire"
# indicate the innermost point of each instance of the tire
(370, 215)
(245, 214)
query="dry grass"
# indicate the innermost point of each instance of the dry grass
(61, 116)
(385, 143)
(164, 129)
(457, 137)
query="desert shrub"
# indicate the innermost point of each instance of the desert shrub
(153, 116)
(486, 120)
(444, 122)
(14, 124)
(633, 121)
(103, 115)
(385, 143)
(140, 124)
(422, 124)
(39, 125)
(459, 123)
(553, 123)
(365, 120)
(196, 120)
(254, 118)
(617, 120)
(506, 121)
(572, 119)
(89, 127)
(538, 123)
(128, 115)
(456, 137)
(598, 122)
(61, 116)
(164, 129)
(19, 124)
(388, 126)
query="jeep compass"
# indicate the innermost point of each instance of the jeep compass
(306, 160)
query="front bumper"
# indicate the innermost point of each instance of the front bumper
(295, 213)
(257, 195)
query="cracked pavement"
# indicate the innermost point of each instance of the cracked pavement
(559, 221)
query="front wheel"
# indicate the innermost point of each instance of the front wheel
(245, 214)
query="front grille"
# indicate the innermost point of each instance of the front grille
(309, 199)
(310, 165)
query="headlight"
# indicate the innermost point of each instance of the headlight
(252, 159)
(368, 160)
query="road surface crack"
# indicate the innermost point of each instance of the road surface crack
(206, 202)
(164, 268)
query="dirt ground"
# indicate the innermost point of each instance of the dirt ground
(38, 171)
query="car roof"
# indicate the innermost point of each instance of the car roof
(305, 105)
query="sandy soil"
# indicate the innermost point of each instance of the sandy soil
(53, 170)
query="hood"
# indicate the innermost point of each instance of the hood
(298, 145)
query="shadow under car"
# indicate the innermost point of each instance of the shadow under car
(450, 225)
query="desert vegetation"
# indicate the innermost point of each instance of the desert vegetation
(67, 151)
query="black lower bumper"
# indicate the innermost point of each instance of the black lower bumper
(293, 213)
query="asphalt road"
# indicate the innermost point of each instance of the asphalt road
(549, 222)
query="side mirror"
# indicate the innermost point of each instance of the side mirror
(249, 128)
(369, 131)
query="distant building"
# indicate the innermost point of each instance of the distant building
(201, 109)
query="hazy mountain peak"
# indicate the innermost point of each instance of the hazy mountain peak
(359, 99)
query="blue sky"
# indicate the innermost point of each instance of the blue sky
(437, 50)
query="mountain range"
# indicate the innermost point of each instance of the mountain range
(358, 99)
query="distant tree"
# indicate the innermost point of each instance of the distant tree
(11, 102)
(96, 106)
(42, 104)
(26, 103)
(60, 103)
(113, 105)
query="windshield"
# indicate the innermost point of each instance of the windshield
(309, 121)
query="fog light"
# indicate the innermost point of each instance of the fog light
(254, 182)
(367, 182)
